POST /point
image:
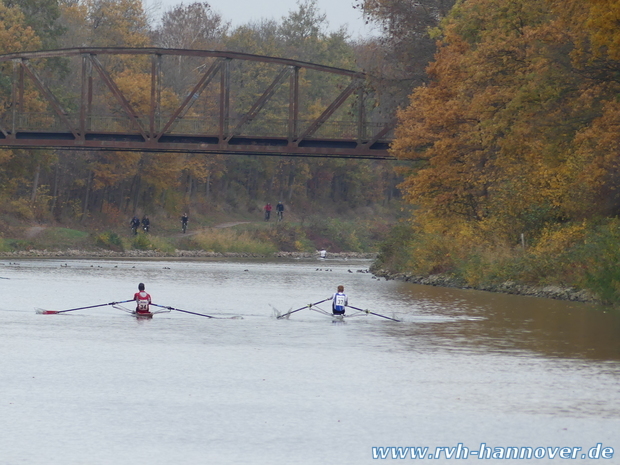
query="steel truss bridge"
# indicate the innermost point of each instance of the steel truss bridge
(169, 100)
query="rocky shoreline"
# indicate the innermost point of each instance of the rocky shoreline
(557, 292)
(104, 253)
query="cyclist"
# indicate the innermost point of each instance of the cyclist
(280, 210)
(184, 219)
(135, 224)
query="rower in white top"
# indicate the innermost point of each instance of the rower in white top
(339, 301)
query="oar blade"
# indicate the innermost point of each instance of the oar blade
(55, 312)
(287, 314)
(41, 311)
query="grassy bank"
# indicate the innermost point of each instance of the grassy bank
(583, 256)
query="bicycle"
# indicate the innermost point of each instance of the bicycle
(183, 227)
(280, 216)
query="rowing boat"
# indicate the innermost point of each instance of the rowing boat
(142, 315)
(335, 318)
(138, 315)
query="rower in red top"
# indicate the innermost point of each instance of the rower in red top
(143, 300)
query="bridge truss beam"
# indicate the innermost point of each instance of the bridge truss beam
(78, 99)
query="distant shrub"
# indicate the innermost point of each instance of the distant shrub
(601, 261)
(148, 242)
(109, 240)
(142, 242)
(20, 208)
(350, 236)
(4, 246)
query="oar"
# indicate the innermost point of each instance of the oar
(372, 313)
(198, 314)
(55, 312)
(302, 308)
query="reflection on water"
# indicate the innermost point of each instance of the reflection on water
(490, 322)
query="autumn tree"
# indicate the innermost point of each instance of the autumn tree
(195, 26)
(43, 17)
(517, 131)
(396, 61)
(17, 167)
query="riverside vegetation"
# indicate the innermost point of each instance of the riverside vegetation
(515, 142)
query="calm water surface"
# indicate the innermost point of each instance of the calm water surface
(97, 387)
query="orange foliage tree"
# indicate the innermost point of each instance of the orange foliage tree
(518, 129)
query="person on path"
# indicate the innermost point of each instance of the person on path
(146, 223)
(339, 301)
(143, 300)
(184, 220)
(280, 210)
(267, 211)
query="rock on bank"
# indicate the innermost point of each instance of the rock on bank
(508, 287)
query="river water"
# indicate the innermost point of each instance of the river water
(98, 387)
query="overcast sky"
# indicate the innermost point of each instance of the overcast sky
(238, 12)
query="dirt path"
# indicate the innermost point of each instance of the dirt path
(231, 224)
(217, 226)
(34, 231)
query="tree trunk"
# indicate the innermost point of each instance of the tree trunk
(35, 184)
(208, 188)
(86, 196)
(55, 192)
(136, 193)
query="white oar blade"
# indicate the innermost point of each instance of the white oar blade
(278, 314)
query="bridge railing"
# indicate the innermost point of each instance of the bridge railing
(193, 125)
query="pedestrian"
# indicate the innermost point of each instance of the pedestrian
(143, 300)
(184, 220)
(267, 211)
(280, 210)
(339, 301)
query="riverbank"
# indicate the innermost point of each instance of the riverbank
(134, 253)
(557, 292)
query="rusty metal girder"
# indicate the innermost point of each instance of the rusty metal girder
(95, 109)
